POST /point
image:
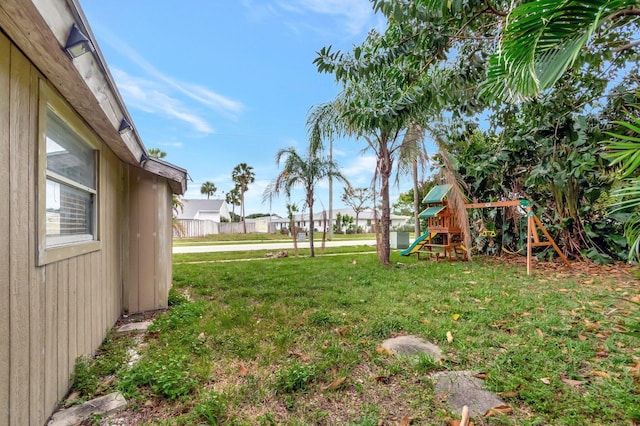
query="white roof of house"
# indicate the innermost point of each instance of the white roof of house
(192, 207)
(367, 214)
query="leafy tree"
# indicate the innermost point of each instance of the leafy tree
(208, 188)
(233, 198)
(357, 199)
(542, 39)
(625, 152)
(243, 175)
(157, 153)
(305, 171)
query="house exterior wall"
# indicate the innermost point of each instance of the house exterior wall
(150, 242)
(207, 215)
(53, 313)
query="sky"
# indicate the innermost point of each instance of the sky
(215, 83)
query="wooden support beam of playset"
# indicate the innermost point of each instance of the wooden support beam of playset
(533, 224)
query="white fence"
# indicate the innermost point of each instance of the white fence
(192, 228)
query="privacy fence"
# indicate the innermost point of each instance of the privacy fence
(191, 228)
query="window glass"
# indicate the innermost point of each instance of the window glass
(67, 154)
(70, 185)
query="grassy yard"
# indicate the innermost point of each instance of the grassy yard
(252, 238)
(296, 341)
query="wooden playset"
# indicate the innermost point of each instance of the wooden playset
(444, 238)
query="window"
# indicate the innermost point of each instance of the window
(68, 176)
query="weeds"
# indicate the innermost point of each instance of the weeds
(294, 341)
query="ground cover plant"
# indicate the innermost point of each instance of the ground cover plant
(296, 341)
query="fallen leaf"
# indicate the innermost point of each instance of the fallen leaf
(496, 411)
(242, 370)
(539, 332)
(481, 376)
(335, 384)
(384, 351)
(602, 374)
(382, 379)
(353, 261)
(72, 397)
(581, 337)
(406, 421)
(201, 336)
(572, 382)
(449, 337)
(509, 394)
(302, 357)
(546, 380)
(455, 317)
(341, 331)
(425, 321)
(104, 385)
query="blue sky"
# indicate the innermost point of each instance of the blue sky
(215, 83)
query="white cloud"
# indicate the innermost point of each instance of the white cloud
(352, 16)
(339, 152)
(365, 164)
(222, 105)
(172, 144)
(355, 14)
(147, 96)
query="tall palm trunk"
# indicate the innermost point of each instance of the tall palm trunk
(416, 200)
(310, 204)
(244, 224)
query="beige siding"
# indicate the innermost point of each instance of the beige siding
(49, 315)
(5, 62)
(150, 242)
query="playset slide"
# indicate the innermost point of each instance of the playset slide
(416, 245)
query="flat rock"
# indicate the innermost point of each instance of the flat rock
(460, 388)
(104, 405)
(412, 345)
(135, 326)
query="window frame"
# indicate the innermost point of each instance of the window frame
(49, 99)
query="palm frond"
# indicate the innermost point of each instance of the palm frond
(541, 40)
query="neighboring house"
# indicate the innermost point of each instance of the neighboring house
(213, 210)
(199, 218)
(366, 220)
(86, 220)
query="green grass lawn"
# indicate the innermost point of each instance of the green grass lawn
(252, 238)
(295, 341)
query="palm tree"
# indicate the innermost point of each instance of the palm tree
(233, 198)
(243, 175)
(383, 135)
(292, 209)
(543, 38)
(306, 172)
(208, 188)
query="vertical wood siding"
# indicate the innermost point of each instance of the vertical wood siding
(52, 314)
(5, 48)
(150, 242)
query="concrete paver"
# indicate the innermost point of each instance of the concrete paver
(104, 405)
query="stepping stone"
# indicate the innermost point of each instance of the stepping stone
(105, 405)
(139, 327)
(412, 345)
(460, 388)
